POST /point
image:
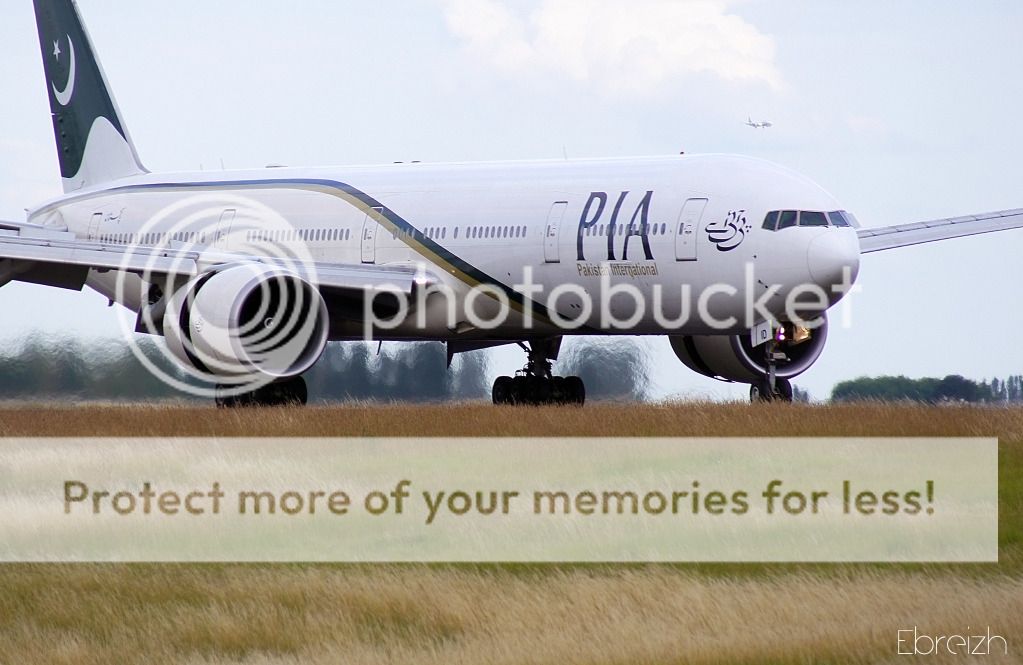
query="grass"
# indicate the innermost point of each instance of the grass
(91, 614)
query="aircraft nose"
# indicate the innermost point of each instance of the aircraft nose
(830, 254)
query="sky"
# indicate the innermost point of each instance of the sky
(904, 111)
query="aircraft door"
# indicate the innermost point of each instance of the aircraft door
(551, 232)
(93, 231)
(224, 228)
(686, 229)
(369, 238)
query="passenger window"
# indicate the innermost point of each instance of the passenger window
(771, 220)
(787, 219)
(812, 219)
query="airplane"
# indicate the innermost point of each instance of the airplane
(247, 275)
(758, 125)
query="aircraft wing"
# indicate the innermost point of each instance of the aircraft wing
(41, 255)
(902, 235)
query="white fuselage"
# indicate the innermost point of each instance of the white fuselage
(685, 220)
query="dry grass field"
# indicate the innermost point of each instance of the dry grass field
(92, 614)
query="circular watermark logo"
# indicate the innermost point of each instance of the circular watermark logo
(230, 285)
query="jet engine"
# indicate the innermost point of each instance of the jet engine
(247, 322)
(734, 358)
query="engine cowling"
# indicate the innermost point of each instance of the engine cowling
(734, 358)
(245, 322)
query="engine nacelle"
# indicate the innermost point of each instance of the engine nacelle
(245, 322)
(734, 358)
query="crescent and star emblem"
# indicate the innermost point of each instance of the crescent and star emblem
(64, 96)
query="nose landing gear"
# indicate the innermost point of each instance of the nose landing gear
(770, 388)
(762, 391)
(534, 384)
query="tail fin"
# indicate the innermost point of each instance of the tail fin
(93, 145)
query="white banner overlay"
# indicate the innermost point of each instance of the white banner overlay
(499, 499)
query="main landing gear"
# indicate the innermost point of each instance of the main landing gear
(534, 384)
(770, 388)
(290, 392)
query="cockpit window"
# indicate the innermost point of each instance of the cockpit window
(837, 218)
(782, 219)
(812, 219)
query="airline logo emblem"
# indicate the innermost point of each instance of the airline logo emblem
(729, 234)
(64, 96)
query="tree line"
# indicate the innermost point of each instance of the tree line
(106, 369)
(952, 388)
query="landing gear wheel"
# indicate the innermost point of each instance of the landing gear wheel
(224, 401)
(290, 392)
(783, 390)
(761, 391)
(576, 389)
(503, 390)
(520, 390)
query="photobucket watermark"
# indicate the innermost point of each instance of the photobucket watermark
(227, 282)
(607, 305)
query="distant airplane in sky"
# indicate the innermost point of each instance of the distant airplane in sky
(248, 274)
(758, 125)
